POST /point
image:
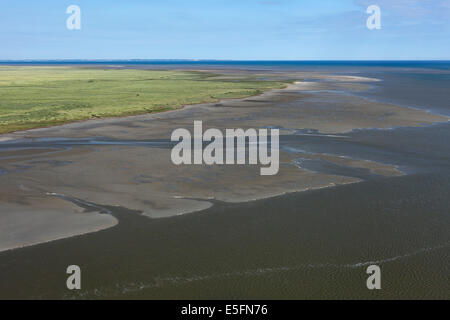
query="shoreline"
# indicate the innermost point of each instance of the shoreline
(208, 73)
(9, 136)
(33, 244)
(6, 136)
(192, 206)
(211, 203)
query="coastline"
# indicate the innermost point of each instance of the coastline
(134, 92)
(167, 203)
(8, 136)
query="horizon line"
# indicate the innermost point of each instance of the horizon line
(224, 60)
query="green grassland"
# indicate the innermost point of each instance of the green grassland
(32, 97)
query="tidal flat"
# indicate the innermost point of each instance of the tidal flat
(351, 168)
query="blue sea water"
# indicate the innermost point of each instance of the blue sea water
(432, 64)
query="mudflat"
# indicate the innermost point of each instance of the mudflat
(115, 170)
(360, 181)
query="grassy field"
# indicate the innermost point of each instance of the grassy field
(32, 97)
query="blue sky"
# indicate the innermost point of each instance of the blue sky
(225, 29)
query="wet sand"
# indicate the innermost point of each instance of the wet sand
(121, 173)
(309, 245)
(124, 165)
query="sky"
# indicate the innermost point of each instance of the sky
(226, 29)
